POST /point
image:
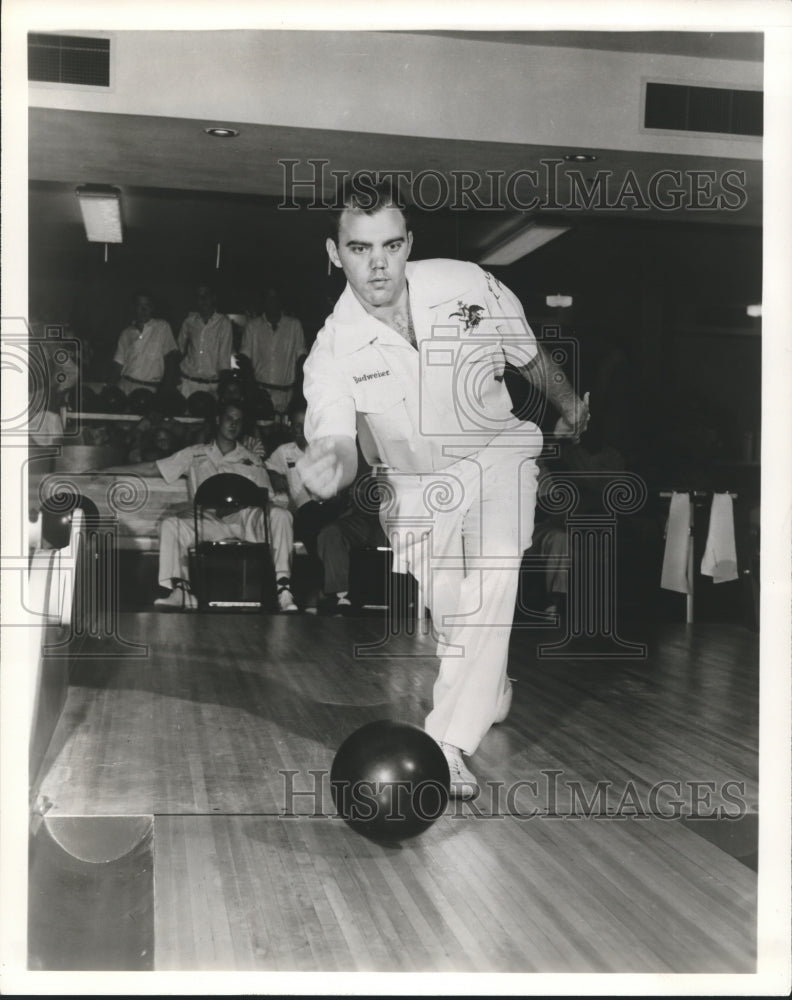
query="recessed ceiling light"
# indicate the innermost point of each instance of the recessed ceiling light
(580, 157)
(222, 132)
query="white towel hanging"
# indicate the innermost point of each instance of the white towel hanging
(720, 552)
(675, 558)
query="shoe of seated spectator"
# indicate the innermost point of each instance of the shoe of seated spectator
(463, 782)
(504, 705)
(343, 604)
(285, 599)
(336, 604)
(179, 599)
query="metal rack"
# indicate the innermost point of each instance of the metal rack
(694, 494)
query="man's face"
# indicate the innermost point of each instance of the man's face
(230, 426)
(271, 302)
(206, 300)
(143, 309)
(373, 251)
(163, 441)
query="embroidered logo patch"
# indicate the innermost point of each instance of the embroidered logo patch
(370, 375)
(471, 316)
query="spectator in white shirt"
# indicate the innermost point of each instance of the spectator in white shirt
(207, 345)
(147, 356)
(273, 343)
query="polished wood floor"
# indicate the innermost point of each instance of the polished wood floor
(570, 861)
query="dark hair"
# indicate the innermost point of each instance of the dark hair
(141, 293)
(362, 193)
(223, 406)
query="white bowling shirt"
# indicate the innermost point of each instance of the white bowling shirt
(274, 351)
(207, 347)
(284, 461)
(418, 411)
(200, 461)
(141, 353)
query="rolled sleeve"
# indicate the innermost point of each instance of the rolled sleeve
(122, 351)
(184, 335)
(517, 338)
(168, 342)
(246, 347)
(176, 465)
(300, 341)
(277, 462)
(327, 390)
(225, 344)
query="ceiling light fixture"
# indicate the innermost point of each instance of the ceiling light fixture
(754, 311)
(559, 301)
(521, 243)
(101, 213)
(222, 132)
(580, 157)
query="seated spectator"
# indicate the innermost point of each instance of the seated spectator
(328, 530)
(147, 356)
(153, 443)
(177, 533)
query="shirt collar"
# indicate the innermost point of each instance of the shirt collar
(355, 328)
(212, 319)
(237, 453)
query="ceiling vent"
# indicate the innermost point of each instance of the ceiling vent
(69, 59)
(717, 110)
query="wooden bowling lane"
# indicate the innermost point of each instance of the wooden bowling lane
(207, 730)
(219, 708)
(478, 895)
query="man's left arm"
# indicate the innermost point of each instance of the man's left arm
(540, 371)
(545, 375)
(301, 349)
(225, 347)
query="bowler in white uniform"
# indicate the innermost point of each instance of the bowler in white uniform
(412, 360)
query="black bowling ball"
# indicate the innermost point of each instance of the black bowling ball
(112, 400)
(390, 780)
(140, 401)
(87, 401)
(170, 403)
(262, 405)
(202, 404)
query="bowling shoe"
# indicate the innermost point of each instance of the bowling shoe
(463, 782)
(285, 598)
(178, 599)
